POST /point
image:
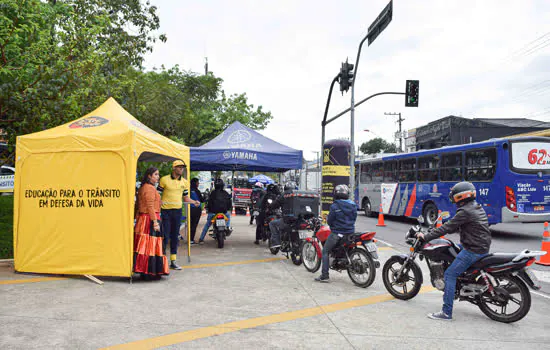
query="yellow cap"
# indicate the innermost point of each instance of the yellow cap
(178, 163)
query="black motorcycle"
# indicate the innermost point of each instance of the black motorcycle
(293, 235)
(497, 283)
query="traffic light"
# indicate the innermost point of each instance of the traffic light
(346, 76)
(411, 93)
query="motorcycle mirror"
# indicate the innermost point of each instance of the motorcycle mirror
(420, 219)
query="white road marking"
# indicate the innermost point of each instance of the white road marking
(386, 243)
(542, 295)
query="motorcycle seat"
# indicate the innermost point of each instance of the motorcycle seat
(494, 259)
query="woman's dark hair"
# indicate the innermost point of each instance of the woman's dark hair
(150, 171)
(194, 182)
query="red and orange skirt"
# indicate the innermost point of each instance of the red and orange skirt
(149, 258)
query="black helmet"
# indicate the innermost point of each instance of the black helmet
(218, 184)
(289, 186)
(273, 188)
(462, 192)
(341, 192)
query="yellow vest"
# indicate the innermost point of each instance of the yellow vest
(172, 194)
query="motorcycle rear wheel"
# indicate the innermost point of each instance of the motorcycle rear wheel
(361, 264)
(389, 277)
(220, 238)
(296, 254)
(514, 286)
(310, 259)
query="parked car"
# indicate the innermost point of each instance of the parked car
(7, 178)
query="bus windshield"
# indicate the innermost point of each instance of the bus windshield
(528, 157)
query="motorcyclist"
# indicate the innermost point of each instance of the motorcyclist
(277, 225)
(475, 238)
(219, 201)
(272, 192)
(341, 219)
(255, 198)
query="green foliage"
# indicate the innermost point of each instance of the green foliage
(377, 145)
(6, 227)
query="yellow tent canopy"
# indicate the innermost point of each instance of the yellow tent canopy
(74, 192)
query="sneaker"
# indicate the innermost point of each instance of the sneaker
(275, 246)
(174, 266)
(440, 316)
(201, 242)
(323, 279)
(193, 242)
(256, 242)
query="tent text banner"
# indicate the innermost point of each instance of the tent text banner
(72, 197)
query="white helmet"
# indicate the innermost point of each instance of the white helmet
(259, 184)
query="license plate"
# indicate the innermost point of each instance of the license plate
(303, 234)
(538, 208)
(256, 213)
(371, 247)
(220, 222)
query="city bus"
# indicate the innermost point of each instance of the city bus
(511, 175)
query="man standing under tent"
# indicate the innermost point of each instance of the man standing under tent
(174, 189)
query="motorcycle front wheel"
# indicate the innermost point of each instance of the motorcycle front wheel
(312, 261)
(407, 285)
(361, 271)
(511, 302)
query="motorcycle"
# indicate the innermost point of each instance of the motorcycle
(294, 234)
(219, 229)
(496, 283)
(357, 253)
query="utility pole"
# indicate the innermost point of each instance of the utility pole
(206, 66)
(400, 120)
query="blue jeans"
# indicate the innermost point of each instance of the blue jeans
(171, 222)
(209, 222)
(331, 242)
(463, 261)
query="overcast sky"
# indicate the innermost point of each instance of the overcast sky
(484, 59)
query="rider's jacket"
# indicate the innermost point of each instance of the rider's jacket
(341, 217)
(472, 224)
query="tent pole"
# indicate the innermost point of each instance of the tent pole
(188, 219)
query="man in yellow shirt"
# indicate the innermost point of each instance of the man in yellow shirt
(174, 192)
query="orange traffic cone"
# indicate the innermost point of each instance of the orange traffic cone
(247, 211)
(545, 259)
(380, 217)
(233, 213)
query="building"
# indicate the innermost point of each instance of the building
(410, 141)
(453, 130)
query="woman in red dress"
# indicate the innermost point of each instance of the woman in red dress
(149, 259)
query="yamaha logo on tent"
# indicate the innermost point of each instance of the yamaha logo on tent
(226, 155)
(239, 136)
(240, 155)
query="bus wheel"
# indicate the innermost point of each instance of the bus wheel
(367, 208)
(430, 214)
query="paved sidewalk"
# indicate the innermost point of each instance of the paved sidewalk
(240, 297)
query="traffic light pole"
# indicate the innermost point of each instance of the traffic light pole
(323, 123)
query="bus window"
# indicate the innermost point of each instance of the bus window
(481, 164)
(366, 175)
(390, 171)
(407, 170)
(427, 168)
(451, 167)
(377, 172)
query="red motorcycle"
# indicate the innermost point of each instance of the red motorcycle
(357, 253)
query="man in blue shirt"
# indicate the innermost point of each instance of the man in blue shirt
(341, 219)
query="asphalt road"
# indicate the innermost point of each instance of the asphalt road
(508, 238)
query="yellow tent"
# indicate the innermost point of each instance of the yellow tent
(74, 192)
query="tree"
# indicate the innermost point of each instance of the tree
(62, 57)
(377, 145)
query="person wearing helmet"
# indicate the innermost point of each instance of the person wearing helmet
(341, 220)
(272, 192)
(174, 188)
(219, 201)
(277, 225)
(255, 198)
(475, 238)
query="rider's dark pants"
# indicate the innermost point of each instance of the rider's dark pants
(259, 226)
(276, 226)
(463, 261)
(331, 242)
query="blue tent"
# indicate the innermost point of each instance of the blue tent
(266, 180)
(241, 148)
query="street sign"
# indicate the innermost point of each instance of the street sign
(380, 23)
